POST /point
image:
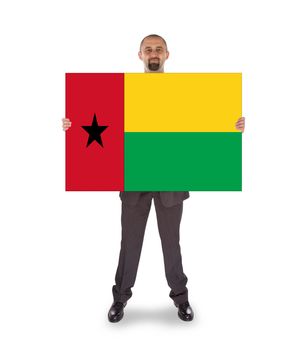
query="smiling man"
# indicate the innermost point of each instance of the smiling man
(135, 211)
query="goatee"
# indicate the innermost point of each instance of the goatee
(153, 66)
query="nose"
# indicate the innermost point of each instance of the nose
(153, 54)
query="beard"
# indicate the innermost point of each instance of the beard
(153, 66)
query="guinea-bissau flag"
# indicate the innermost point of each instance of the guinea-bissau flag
(153, 132)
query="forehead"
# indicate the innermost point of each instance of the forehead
(153, 42)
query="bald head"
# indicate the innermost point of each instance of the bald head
(153, 36)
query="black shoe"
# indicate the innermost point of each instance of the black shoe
(185, 312)
(116, 311)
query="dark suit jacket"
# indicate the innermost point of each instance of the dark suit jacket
(168, 199)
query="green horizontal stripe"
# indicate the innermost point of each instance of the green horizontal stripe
(183, 161)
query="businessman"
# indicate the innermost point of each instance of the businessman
(135, 210)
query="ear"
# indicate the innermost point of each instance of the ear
(140, 55)
(167, 54)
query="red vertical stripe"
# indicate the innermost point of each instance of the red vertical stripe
(95, 168)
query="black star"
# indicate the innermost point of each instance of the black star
(94, 132)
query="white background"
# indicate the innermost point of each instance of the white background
(244, 253)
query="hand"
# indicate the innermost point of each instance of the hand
(240, 124)
(66, 124)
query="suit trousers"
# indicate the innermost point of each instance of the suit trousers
(134, 219)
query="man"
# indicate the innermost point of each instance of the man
(135, 210)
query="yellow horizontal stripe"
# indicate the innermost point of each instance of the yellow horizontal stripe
(178, 102)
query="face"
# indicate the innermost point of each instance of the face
(153, 54)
